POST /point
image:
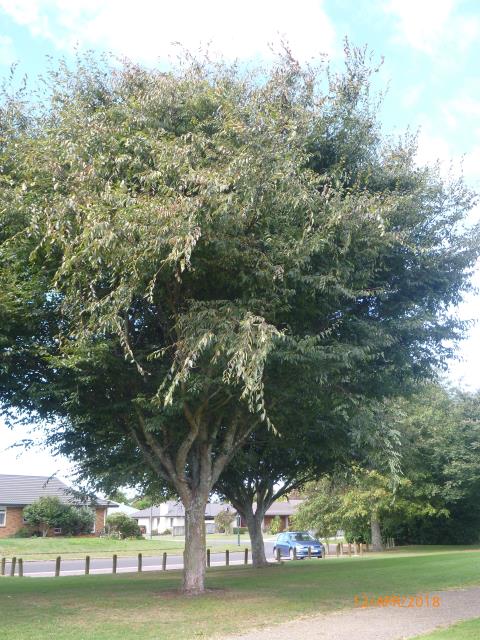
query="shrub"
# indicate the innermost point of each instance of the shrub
(122, 526)
(242, 530)
(275, 526)
(24, 532)
(223, 521)
(167, 532)
(49, 513)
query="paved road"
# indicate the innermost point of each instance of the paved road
(46, 568)
(376, 623)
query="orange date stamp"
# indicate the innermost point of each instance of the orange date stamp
(404, 602)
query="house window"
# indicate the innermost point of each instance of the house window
(57, 531)
(3, 516)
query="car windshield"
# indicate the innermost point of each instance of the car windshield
(302, 537)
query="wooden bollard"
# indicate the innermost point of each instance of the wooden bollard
(294, 553)
(366, 547)
(309, 553)
(337, 550)
(57, 566)
(139, 563)
(349, 549)
(209, 561)
(277, 554)
(20, 567)
(227, 558)
(114, 563)
(2, 570)
(361, 548)
(13, 564)
(245, 557)
(87, 565)
(164, 561)
(357, 549)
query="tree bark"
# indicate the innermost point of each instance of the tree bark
(376, 532)
(254, 524)
(195, 544)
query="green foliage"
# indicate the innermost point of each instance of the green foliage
(223, 521)
(122, 526)
(23, 532)
(49, 512)
(177, 248)
(275, 526)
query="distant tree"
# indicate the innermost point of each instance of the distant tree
(224, 520)
(119, 496)
(275, 526)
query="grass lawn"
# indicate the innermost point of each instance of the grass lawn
(71, 548)
(468, 630)
(149, 606)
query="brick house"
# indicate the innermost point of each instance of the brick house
(17, 492)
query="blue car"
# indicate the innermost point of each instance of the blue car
(300, 541)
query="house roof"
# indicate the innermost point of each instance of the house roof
(176, 509)
(23, 490)
(283, 508)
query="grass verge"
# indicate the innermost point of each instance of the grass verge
(468, 630)
(149, 605)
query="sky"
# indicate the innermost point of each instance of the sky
(431, 50)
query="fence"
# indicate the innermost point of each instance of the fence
(16, 567)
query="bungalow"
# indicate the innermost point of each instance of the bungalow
(170, 516)
(17, 492)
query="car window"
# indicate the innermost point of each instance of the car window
(303, 537)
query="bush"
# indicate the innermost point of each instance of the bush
(223, 521)
(242, 530)
(24, 532)
(275, 526)
(50, 513)
(167, 532)
(122, 526)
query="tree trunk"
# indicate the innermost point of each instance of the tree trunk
(254, 524)
(377, 544)
(195, 543)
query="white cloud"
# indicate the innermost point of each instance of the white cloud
(145, 30)
(432, 26)
(7, 52)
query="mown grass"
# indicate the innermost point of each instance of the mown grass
(150, 606)
(468, 630)
(71, 548)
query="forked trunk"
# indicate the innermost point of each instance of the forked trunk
(195, 554)
(376, 532)
(254, 524)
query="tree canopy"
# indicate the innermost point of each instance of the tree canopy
(173, 243)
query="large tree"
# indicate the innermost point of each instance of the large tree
(165, 236)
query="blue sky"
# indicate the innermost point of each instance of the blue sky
(431, 51)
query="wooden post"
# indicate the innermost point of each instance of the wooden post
(139, 564)
(337, 550)
(114, 563)
(164, 560)
(349, 549)
(366, 547)
(361, 548)
(294, 553)
(208, 558)
(227, 558)
(13, 563)
(57, 566)
(2, 570)
(309, 553)
(245, 559)
(87, 565)
(20, 568)
(341, 548)
(277, 553)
